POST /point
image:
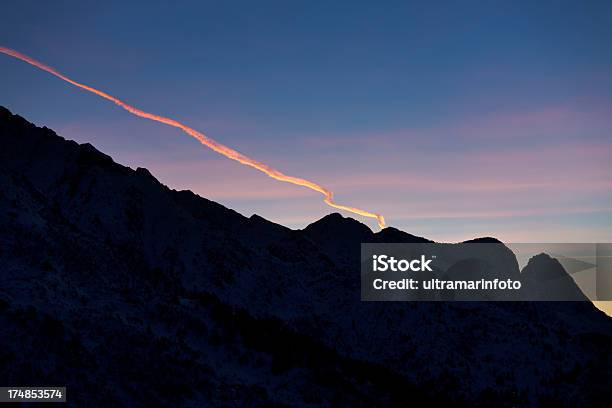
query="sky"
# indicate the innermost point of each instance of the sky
(453, 119)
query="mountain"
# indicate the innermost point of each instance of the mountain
(134, 294)
(544, 275)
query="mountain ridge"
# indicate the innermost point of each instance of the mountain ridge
(108, 263)
(334, 217)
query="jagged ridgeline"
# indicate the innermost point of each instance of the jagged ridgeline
(133, 294)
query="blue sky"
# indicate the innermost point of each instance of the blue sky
(453, 119)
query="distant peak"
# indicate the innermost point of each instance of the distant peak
(392, 234)
(337, 221)
(543, 267)
(483, 240)
(258, 218)
(541, 257)
(331, 217)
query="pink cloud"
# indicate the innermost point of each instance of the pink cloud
(561, 119)
(502, 213)
(552, 120)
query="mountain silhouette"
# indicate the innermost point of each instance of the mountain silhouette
(133, 294)
(544, 275)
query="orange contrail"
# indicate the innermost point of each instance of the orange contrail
(202, 138)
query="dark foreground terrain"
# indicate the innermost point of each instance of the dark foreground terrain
(133, 294)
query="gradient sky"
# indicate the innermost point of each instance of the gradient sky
(453, 119)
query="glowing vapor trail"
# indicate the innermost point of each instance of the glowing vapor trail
(202, 138)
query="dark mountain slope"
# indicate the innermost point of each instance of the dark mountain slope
(114, 284)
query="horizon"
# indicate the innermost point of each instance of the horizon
(605, 306)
